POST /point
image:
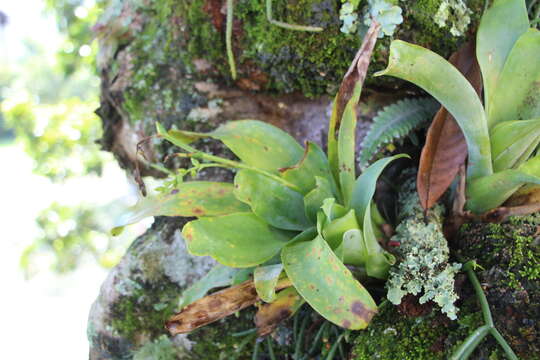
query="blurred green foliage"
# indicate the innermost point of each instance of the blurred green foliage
(68, 235)
(47, 99)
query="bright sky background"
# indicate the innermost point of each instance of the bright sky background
(45, 317)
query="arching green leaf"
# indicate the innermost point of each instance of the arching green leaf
(327, 285)
(237, 240)
(512, 142)
(193, 198)
(274, 202)
(517, 95)
(446, 84)
(489, 192)
(365, 185)
(501, 25)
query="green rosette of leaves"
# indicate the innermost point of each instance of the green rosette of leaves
(503, 132)
(293, 212)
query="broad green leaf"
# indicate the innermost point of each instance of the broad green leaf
(489, 192)
(365, 185)
(314, 163)
(346, 147)
(266, 278)
(314, 199)
(270, 200)
(501, 25)
(446, 84)
(193, 198)
(517, 95)
(242, 275)
(256, 143)
(333, 231)
(512, 142)
(219, 276)
(237, 240)
(260, 144)
(378, 260)
(327, 285)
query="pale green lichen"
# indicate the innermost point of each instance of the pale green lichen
(383, 11)
(387, 14)
(456, 13)
(423, 251)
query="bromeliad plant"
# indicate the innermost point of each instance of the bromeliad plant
(503, 134)
(293, 214)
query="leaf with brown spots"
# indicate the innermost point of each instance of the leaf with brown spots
(446, 149)
(194, 198)
(326, 283)
(215, 307)
(269, 316)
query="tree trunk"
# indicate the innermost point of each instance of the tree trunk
(166, 61)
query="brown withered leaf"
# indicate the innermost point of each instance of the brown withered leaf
(270, 315)
(445, 149)
(216, 306)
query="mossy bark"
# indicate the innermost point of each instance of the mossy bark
(509, 254)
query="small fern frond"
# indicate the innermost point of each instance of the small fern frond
(395, 122)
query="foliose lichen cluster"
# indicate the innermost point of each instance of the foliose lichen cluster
(424, 254)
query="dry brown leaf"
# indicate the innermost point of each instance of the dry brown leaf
(216, 306)
(270, 315)
(445, 149)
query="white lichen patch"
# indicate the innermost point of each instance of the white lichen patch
(456, 13)
(423, 267)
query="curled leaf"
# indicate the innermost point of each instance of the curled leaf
(266, 278)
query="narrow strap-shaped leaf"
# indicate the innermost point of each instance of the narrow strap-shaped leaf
(445, 149)
(237, 240)
(346, 147)
(314, 163)
(327, 285)
(446, 84)
(266, 278)
(512, 142)
(489, 192)
(517, 95)
(350, 87)
(364, 187)
(274, 202)
(501, 25)
(219, 276)
(193, 198)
